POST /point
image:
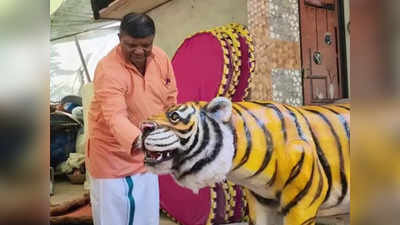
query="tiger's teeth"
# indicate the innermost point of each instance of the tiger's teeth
(168, 154)
(159, 157)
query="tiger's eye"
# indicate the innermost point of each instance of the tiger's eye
(174, 116)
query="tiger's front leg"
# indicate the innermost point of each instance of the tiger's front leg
(301, 216)
(262, 211)
(305, 188)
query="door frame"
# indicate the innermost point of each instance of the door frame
(343, 52)
(344, 78)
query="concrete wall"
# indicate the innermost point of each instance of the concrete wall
(177, 19)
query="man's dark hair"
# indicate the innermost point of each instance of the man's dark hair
(137, 25)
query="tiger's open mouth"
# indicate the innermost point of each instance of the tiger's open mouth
(155, 157)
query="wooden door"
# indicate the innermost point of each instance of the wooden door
(323, 51)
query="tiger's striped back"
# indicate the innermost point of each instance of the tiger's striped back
(270, 129)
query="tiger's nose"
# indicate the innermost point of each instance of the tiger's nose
(148, 127)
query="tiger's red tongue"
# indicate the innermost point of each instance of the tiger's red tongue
(155, 154)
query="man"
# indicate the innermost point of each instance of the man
(132, 82)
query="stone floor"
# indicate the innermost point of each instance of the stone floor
(65, 191)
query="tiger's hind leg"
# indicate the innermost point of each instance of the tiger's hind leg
(262, 211)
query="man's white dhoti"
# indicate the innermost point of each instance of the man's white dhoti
(133, 200)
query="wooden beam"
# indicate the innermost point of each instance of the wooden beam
(118, 8)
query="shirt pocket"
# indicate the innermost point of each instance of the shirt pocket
(160, 87)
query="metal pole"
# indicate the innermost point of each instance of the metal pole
(82, 59)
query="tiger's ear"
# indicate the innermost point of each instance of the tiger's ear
(220, 108)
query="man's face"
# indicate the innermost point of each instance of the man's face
(136, 49)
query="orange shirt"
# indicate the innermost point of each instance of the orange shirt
(123, 98)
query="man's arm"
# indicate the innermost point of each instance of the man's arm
(110, 91)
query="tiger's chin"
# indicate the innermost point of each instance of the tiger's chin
(159, 162)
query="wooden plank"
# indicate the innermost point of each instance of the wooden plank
(308, 43)
(119, 8)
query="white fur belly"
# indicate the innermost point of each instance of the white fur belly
(255, 185)
(335, 194)
(342, 208)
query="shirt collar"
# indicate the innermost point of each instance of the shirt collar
(127, 63)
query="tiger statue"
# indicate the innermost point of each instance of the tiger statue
(295, 161)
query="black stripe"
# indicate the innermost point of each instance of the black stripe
(319, 190)
(206, 137)
(189, 116)
(165, 145)
(214, 109)
(180, 155)
(343, 107)
(295, 170)
(183, 108)
(298, 127)
(274, 175)
(268, 140)
(265, 201)
(340, 153)
(299, 195)
(248, 138)
(278, 195)
(280, 115)
(342, 120)
(309, 221)
(321, 157)
(234, 134)
(184, 141)
(196, 139)
(179, 161)
(216, 150)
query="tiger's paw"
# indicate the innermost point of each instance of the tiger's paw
(138, 143)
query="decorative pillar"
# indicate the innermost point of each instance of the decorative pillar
(274, 26)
